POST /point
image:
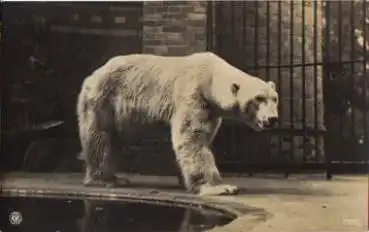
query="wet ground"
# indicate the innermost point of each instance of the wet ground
(78, 215)
(266, 203)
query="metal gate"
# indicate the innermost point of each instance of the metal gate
(312, 51)
(346, 85)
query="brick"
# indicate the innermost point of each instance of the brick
(159, 50)
(175, 9)
(199, 9)
(167, 14)
(150, 10)
(147, 35)
(157, 36)
(175, 22)
(171, 43)
(164, 39)
(152, 17)
(187, 9)
(174, 36)
(175, 3)
(196, 16)
(196, 3)
(153, 42)
(153, 3)
(156, 23)
(171, 28)
(199, 30)
(149, 50)
(199, 46)
(152, 29)
(178, 50)
(172, 16)
(195, 23)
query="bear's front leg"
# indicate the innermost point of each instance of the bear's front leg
(190, 140)
(200, 173)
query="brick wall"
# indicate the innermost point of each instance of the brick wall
(174, 28)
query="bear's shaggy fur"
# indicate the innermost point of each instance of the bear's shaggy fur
(191, 93)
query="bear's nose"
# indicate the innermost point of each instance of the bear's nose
(273, 121)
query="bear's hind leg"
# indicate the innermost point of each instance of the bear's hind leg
(98, 153)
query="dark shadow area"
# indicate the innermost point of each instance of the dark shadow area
(105, 216)
(50, 48)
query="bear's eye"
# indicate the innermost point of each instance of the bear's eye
(274, 99)
(260, 98)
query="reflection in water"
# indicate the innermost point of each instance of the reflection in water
(104, 216)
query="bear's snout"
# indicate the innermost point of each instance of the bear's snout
(271, 122)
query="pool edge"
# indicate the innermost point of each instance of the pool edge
(227, 208)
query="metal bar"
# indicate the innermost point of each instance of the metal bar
(243, 24)
(141, 28)
(315, 54)
(256, 35)
(303, 80)
(352, 56)
(209, 24)
(256, 44)
(326, 60)
(365, 70)
(233, 19)
(279, 54)
(219, 26)
(268, 40)
(340, 136)
(267, 62)
(292, 154)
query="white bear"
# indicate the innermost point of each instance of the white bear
(192, 93)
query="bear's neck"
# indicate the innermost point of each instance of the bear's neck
(220, 92)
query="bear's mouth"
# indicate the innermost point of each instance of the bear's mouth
(259, 126)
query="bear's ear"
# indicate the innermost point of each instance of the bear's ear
(272, 84)
(234, 88)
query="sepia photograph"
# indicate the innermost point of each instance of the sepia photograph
(184, 116)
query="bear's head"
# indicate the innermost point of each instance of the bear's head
(255, 103)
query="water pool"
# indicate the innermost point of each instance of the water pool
(90, 215)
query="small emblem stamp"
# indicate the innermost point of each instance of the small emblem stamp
(15, 218)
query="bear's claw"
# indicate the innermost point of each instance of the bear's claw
(222, 189)
(113, 183)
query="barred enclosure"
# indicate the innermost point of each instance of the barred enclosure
(316, 53)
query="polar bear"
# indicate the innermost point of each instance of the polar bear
(192, 93)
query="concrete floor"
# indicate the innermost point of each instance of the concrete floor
(301, 203)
